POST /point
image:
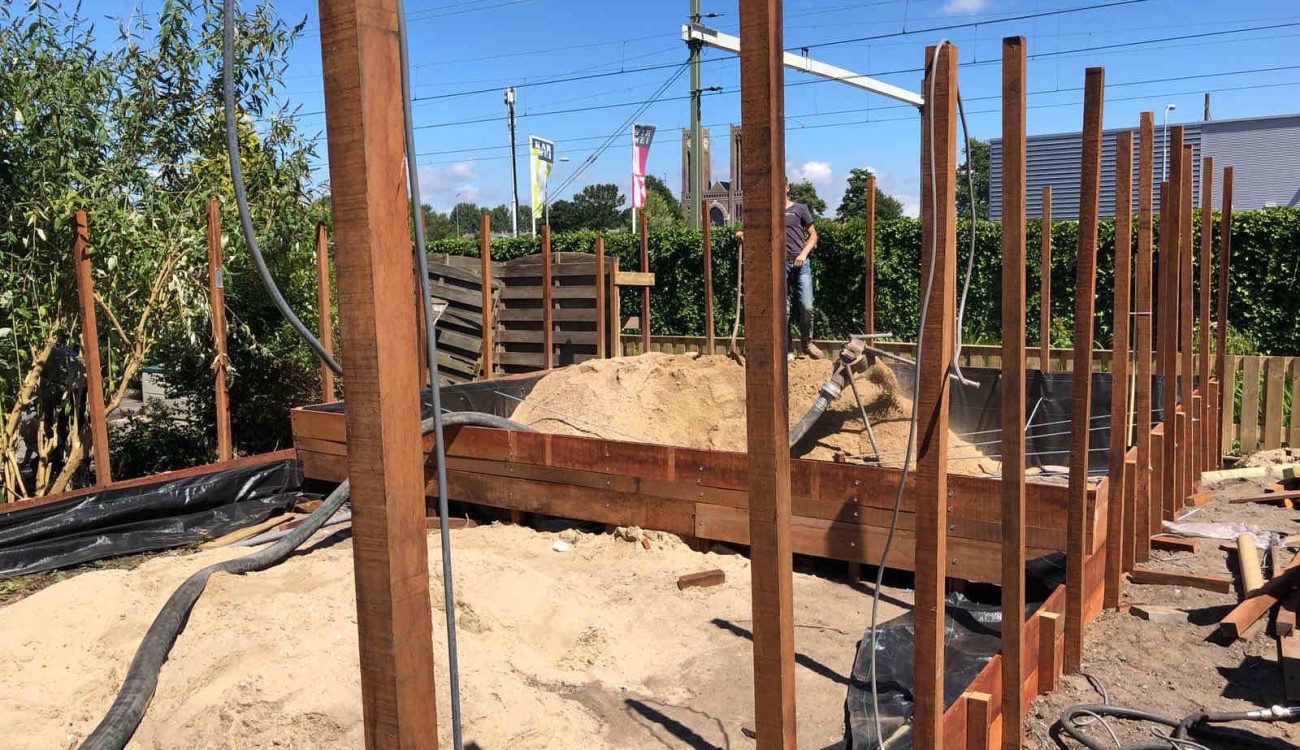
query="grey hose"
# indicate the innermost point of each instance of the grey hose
(241, 199)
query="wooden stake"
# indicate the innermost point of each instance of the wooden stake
(1049, 665)
(1013, 390)
(217, 300)
(601, 312)
(548, 324)
(1187, 449)
(869, 259)
(762, 107)
(323, 308)
(1205, 414)
(90, 348)
(1227, 384)
(935, 359)
(645, 290)
(1081, 400)
(485, 273)
(1146, 510)
(1118, 500)
(1168, 341)
(1045, 284)
(385, 457)
(707, 241)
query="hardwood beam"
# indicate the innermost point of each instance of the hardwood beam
(1186, 300)
(548, 305)
(762, 108)
(706, 239)
(1142, 322)
(601, 313)
(1045, 283)
(1049, 665)
(90, 348)
(869, 258)
(1117, 515)
(1227, 383)
(935, 360)
(1168, 330)
(323, 309)
(217, 303)
(1013, 390)
(1081, 392)
(1205, 414)
(360, 63)
(485, 275)
(645, 290)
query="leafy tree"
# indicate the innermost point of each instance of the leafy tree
(662, 209)
(976, 163)
(855, 199)
(804, 192)
(597, 207)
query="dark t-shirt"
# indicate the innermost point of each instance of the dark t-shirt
(797, 220)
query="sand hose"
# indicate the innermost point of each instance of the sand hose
(1073, 719)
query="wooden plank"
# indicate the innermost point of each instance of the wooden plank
(1145, 497)
(1045, 283)
(645, 289)
(980, 718)
(1204, 261)
(706, 240)
(326, 332)
(1155, 576)
(635, 278)
(1226, 380)
(360, 61)
(1274, 382)
(762, 106)
(938, 273)
(1168, 327)
(217, 303)
(1049, 660)
(703, 579)
(1013, 404)
(487, 325)
(1186, 299)
(90, 348)
(1250, 404)
(1128, 549)
(601, 334)
(1157, 478)
(1227, 396)
(1117, 520)
(1168, 543)
(869, 258)
(1237, 623)
(548, 306)
(1081, 400)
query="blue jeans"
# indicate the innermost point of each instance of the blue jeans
(799, 285)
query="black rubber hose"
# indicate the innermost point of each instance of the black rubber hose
(1181, 729)
(124, 716)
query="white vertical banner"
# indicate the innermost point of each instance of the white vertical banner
(541, 157)
(642, 135)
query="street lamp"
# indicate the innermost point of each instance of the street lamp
(1164, 166)
(455, 210)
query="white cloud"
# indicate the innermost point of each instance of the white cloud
(444, 186)
(819, 173)
(965, 7)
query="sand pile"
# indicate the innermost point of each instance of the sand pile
(698, 401)
(593, 648)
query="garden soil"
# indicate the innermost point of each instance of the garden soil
(698, 401)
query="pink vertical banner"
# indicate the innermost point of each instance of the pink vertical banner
(642, 135)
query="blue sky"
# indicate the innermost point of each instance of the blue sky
(461, 46)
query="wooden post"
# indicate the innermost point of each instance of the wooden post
(869, 259)
(548, 324)
(1013, 390)
(1142, 321)
(1049, 665)
(762, 108)
(323, 307)
(1187, 448)
(1205, 413)
(1227, 382)
(1045, 284)
(217, 299)
(385, 455)
(1081, 398)
(485, 272)
(935, 359)
(601, 313)
(1168, 341)
(645, 290)
(707, 241)
(90, 348)
(980, 725)
(1118, 500)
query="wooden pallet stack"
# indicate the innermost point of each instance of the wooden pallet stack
(573, 314)
(457, 282)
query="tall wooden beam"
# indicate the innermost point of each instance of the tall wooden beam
(548, 311)
(935, 360)
(385, 458)
(323, 308)
(869, 259)
(1045, 284)
(1081, 393)
(90, 348)
(1147, 510)
(217, 302)
(1227, 390)
(485, 273)
(645, 290)
(1013, 390)
(1118, 512)
(1187, 449)
(706, 239)
(601, 312)
(1168, 328)
(762, 109)
(1206, 259)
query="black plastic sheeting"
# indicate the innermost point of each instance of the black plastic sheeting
(972, 634)
(145, 518)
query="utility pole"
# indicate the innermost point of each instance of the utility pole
(697, 146)
(514, 168)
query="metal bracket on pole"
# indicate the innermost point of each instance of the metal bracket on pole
(701, 34)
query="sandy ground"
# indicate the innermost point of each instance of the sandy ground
(698, 401)
(1175, 670)
(594, 648)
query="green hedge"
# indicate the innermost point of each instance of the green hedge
(1264, 309)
